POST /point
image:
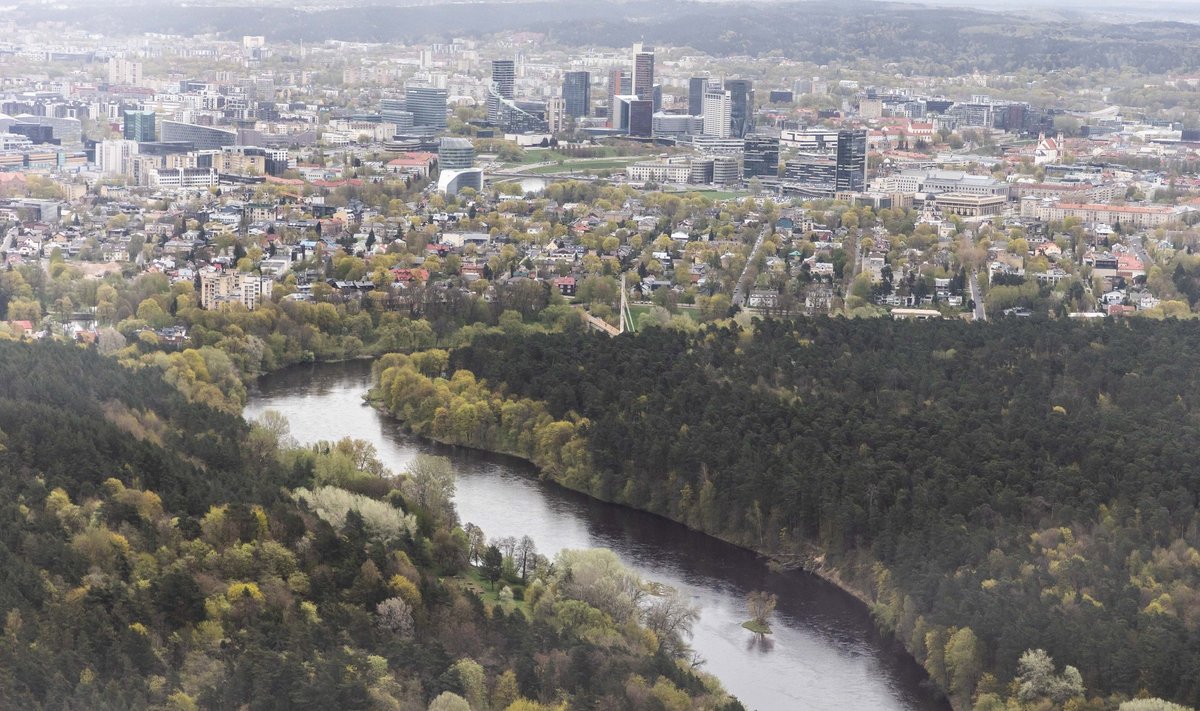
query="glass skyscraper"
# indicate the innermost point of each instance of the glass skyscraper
(577, 93)
(427, 106)
(741, 96)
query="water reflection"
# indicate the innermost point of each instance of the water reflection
(824, 653)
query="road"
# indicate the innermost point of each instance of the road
(740, 291)
(9, 235)
(977, 297)
(1139, 250)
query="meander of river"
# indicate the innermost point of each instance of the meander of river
(824, 654)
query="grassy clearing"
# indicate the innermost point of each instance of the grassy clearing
(473, 581)
(636, 310)
(757, 627)
(582, 164)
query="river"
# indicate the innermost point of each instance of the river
(824, 654)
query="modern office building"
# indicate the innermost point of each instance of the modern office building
(852, 160)
(641, 118)
(504, 76)
(643, 72)
(829, 163)
(450, 182)
(814, 173)
(577, 94)
(634, 116)
(818, 140)
(696, 88)
(726, 170)
(676, 125)
(395, 112)
(717, 112)
(190, 178)
(782, 96)
(427, 105)
(66, 130)
(455, 154)
(513, 116)
(456, 160)
(139, 126)
(620, 83)
(201, 137)
(761, 157)
(741, 94)
(37, 134)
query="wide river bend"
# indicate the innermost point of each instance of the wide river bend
(824, 654)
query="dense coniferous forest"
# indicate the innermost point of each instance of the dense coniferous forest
(987, 488)
(160, 553)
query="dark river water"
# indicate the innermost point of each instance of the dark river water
(824, 654)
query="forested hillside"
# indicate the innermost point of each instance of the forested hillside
(162, 554)
(991, 489)
(948, 39)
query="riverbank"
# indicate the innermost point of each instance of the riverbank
(812, 560)
(824, 652)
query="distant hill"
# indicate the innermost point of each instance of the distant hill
(957, 39)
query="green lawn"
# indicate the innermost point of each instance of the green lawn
(574, 166)
(636, 310)
(473, 581)
(757, 627)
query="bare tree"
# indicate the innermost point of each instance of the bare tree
(526, 555)
(507, 545)
(671, 618)
(761, 605)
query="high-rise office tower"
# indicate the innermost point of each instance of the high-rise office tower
(395, 112)
(634, 116)
(643, 72)
(696, 88)
(851, 161)
(620, 83)
(139, 126)
(760, 156)
(504, 74)
(577, 93)
(741, 92)
(830, 163)
(427, 105)
(717, 110)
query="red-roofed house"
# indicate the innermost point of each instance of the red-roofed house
(1129, 266)
(565, 285)
(418, 163)
(407, 276)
